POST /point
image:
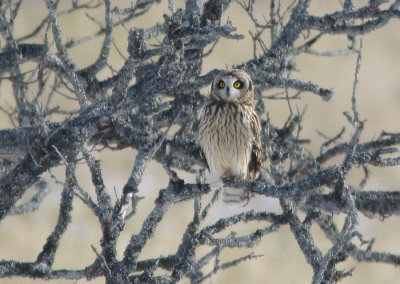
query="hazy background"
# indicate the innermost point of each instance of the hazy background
(22, 237)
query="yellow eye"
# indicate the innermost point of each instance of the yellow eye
(237, 84)
(221, 84)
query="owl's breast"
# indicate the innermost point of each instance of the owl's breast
(226, 138)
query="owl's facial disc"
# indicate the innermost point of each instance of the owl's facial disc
(229, 88)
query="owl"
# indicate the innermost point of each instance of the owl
(229, 132)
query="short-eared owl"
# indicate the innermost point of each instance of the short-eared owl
(229, 131)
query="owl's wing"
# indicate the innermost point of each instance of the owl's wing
(255, 159)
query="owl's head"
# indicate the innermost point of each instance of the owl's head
(232, 85)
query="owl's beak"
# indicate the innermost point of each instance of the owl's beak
(227, 92)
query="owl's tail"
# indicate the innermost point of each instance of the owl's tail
(235, 197)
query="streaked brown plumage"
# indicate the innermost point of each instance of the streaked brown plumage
(229, 132)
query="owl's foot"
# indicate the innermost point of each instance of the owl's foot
(216, 185)
(234, 197)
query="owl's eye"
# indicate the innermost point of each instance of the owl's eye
(221, 84)
(237, 84)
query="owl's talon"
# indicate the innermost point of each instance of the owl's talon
(216, 185)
